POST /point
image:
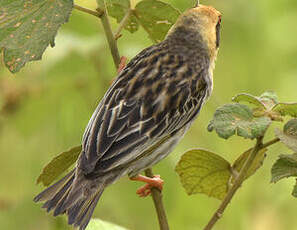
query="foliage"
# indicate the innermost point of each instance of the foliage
(156, 22)
(202, 171)
(286, 165)
(28, 27)
(26, 32)
(238, 119)
(58, 165)
(206, 172)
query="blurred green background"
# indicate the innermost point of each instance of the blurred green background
(46, 106)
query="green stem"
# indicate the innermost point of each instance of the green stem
(122, 24)
(271, 142)
(97, 13)
(110, 39)
(237, 183)
(157, 198)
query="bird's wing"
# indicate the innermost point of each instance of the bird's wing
(154, 96)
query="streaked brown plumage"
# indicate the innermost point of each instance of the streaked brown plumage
(143, 115)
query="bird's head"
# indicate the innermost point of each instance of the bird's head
(200, 25)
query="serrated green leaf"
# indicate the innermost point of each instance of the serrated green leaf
(118, 9)
(205, 172)
(156, 18)
(231, 119)
(248, 98)
(286, 109)
(28, 27)
(257, 163)
(289, 135)
(97, 224)
(156, 22)
(285, 166)
(58, 165)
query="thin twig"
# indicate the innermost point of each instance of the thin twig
(157, 198)
(122, 24)
(268, 143)
(97, 13)
(237, 183)
(110, 38)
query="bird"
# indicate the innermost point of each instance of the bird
(143, 115)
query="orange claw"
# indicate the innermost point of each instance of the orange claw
(145, 190)
(122, 65)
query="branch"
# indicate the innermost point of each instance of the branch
(156, 194)
(111, 39)
(237, 183)
(157, 198)
(122, 24)
(268, 143)
(97, 13)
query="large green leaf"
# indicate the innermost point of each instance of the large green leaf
(58, 165)
(265, 101)
(156, 17)
(205, 172)
(285, 166)
(248, 98)
(27, 27)
(96, 224)
(231, 119)
(286, 109)
(118, 9)
(202, 171)
(289, 135)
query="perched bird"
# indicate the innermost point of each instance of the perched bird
(142, 116)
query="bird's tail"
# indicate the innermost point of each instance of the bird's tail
(74, 195)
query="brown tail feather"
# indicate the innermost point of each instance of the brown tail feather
(72, 195)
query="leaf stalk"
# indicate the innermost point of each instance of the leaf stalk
(98, 13)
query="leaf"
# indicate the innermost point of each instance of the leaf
(286, 109)
(285, 166)
(289, 135)
(97, 224)
(156, 18)
(156, 22)
(264, 101)
(118, 9)
(205, 172)
(248, 98)
(269, 99)
(231, 119)
(257, 163)
(58, 165)
(202, 171)
(28, 27)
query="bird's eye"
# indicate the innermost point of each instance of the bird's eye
(220, 20)
(218, 28)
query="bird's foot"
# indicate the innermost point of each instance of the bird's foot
(155, 182)
(122, 65)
